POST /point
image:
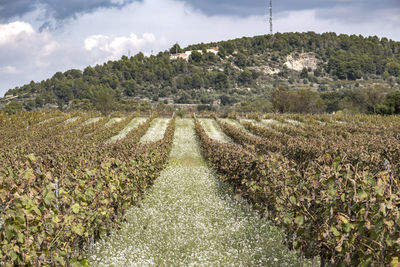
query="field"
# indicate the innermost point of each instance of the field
(273, 190)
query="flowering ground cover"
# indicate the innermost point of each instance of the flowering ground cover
(213, 131)
(156, 130)
(189, 218)
(132, 125)
(112, 121)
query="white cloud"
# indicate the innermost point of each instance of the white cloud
(24, 52)
(114, 47)
(15, 31)
(20, 37)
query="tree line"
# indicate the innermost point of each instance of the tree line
(374, 99)
(228, 78)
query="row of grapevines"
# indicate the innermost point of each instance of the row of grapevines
(368, 149)
(56, 204)
(341, 212)
(39, 129)
(25, 119)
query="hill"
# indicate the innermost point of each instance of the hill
(290, 72)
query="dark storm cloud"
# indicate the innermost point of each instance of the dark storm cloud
(63, 9)
(58, 9)
(12, 8)
(258, 7)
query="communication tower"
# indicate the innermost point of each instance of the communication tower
(270, 18)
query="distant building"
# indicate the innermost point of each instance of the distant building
(213, 50)
(187, 54)
(179, 55)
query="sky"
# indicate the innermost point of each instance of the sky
(40, 37)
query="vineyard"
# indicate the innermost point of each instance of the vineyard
(332, 185)
(64, 184)
(276, 190)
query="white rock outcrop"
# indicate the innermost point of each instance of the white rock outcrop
(305, 60)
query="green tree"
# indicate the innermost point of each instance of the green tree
(180, 82)
(353, 70)
(306, 101)
(245, 77)
(227, 100)
(187, 82)
(241, 60)
(89, 71)
(259, 105)
(280, 99)
(391, 104)
(130, 87)
(39, 102)
(228, 47)
(371, 97)
(13, 108)
(221, 81)
(73, 74)
(351, 102)
(175, 49)
(304, 73)
(221, 52)
(393, 68)
(57, 76)
(196, 56)
(104, 102)
(30, 105)
(197, 81)
(337, 64)
(332, 100)
(210, 57)
(184, 98)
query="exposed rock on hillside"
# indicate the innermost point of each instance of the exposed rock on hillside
(305, 60)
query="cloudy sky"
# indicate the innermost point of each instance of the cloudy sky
(41, 37)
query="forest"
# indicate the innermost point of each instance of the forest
(353, 73)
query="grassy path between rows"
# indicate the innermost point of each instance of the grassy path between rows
(190, 219)
(156, 130)
(135, 122)
(214, 131)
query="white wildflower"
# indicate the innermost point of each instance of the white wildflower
(135, 122)
(188, 218)
(156, 130)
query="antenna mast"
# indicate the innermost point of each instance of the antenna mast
(270, 18)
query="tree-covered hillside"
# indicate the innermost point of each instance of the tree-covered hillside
(334, 72)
